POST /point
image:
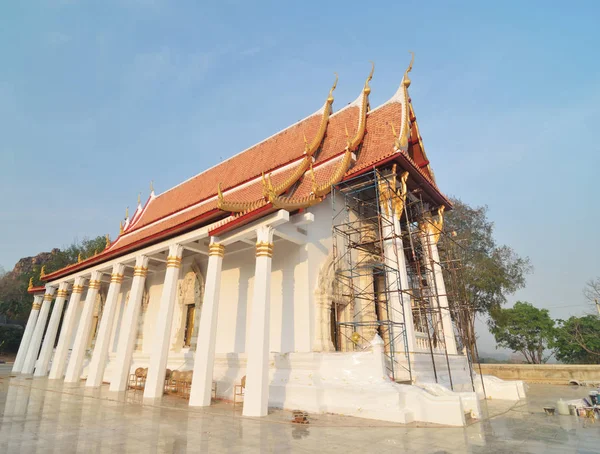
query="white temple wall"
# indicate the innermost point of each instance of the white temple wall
(294, 276)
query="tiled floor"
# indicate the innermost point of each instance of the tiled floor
(42, 416)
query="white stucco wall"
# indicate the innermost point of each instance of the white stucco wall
(294, 278)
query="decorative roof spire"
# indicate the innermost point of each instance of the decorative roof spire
(139, 198)
(107, 241)
(151, 187)
(79, 258)
(121, 228)
(402, 141)
(272, 191)
(30, 286)
(43, 272)
(127, 213)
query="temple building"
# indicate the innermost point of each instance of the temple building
(306, 272)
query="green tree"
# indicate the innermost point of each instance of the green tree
(491, 272)
(577, 340)
(524, 329)
(15, 302)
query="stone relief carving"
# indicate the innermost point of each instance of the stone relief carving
(190, 291)
(139, 340)
(324, 296)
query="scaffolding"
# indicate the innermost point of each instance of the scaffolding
(367, 275)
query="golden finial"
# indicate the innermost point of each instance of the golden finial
(268, 190)
(127, 213)
(107, 241)
(79, 258)
(30, 286)
(330, 97)
(139, 198)
(367, 89)
(95, 252)
(406, 80)
(151, 186)
(120, 227)
(43, 272)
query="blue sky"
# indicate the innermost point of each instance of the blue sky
(99, 98)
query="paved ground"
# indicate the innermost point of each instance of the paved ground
(42, 416)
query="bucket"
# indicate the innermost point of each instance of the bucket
(573, 410)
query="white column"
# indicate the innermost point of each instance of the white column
(129, 326)
(41, 368)
(442, 298)
(38, 332)
(201, 393)
(155, 381)
(75, 365)
(399, 302)
(256, 399)
(59, 363)
(100, 355)
(27, 334)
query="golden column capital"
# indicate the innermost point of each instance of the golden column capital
(77, 289)
(173, 262)
(216, 249)
(94, 284)
(62, 293)
(141, 271)
(264, 249)
(116, 278)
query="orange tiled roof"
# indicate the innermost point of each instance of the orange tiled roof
(194, 202)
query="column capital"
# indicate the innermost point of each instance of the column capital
(264, 249)
(95, 280)
(174, 257)
(63, 290)
(216, 249)
(37, 302)
(117, 273)
(264, 234)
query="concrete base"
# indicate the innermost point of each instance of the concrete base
(350, 384)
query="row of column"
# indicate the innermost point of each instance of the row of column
(33, 356)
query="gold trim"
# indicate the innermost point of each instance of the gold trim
(48, 297)
(402, 141)
(264, 249)
(432, 228)
(43, 272)
(30, 286)
(319, 192)
(173, 262)
(77, 289)
(94, 284)
(216, 249)
(107, 242)
(79, 258)
(116, 278)
(61, 293)
(36, 306)
(389, 193)
(269, 190)
(141, 271)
